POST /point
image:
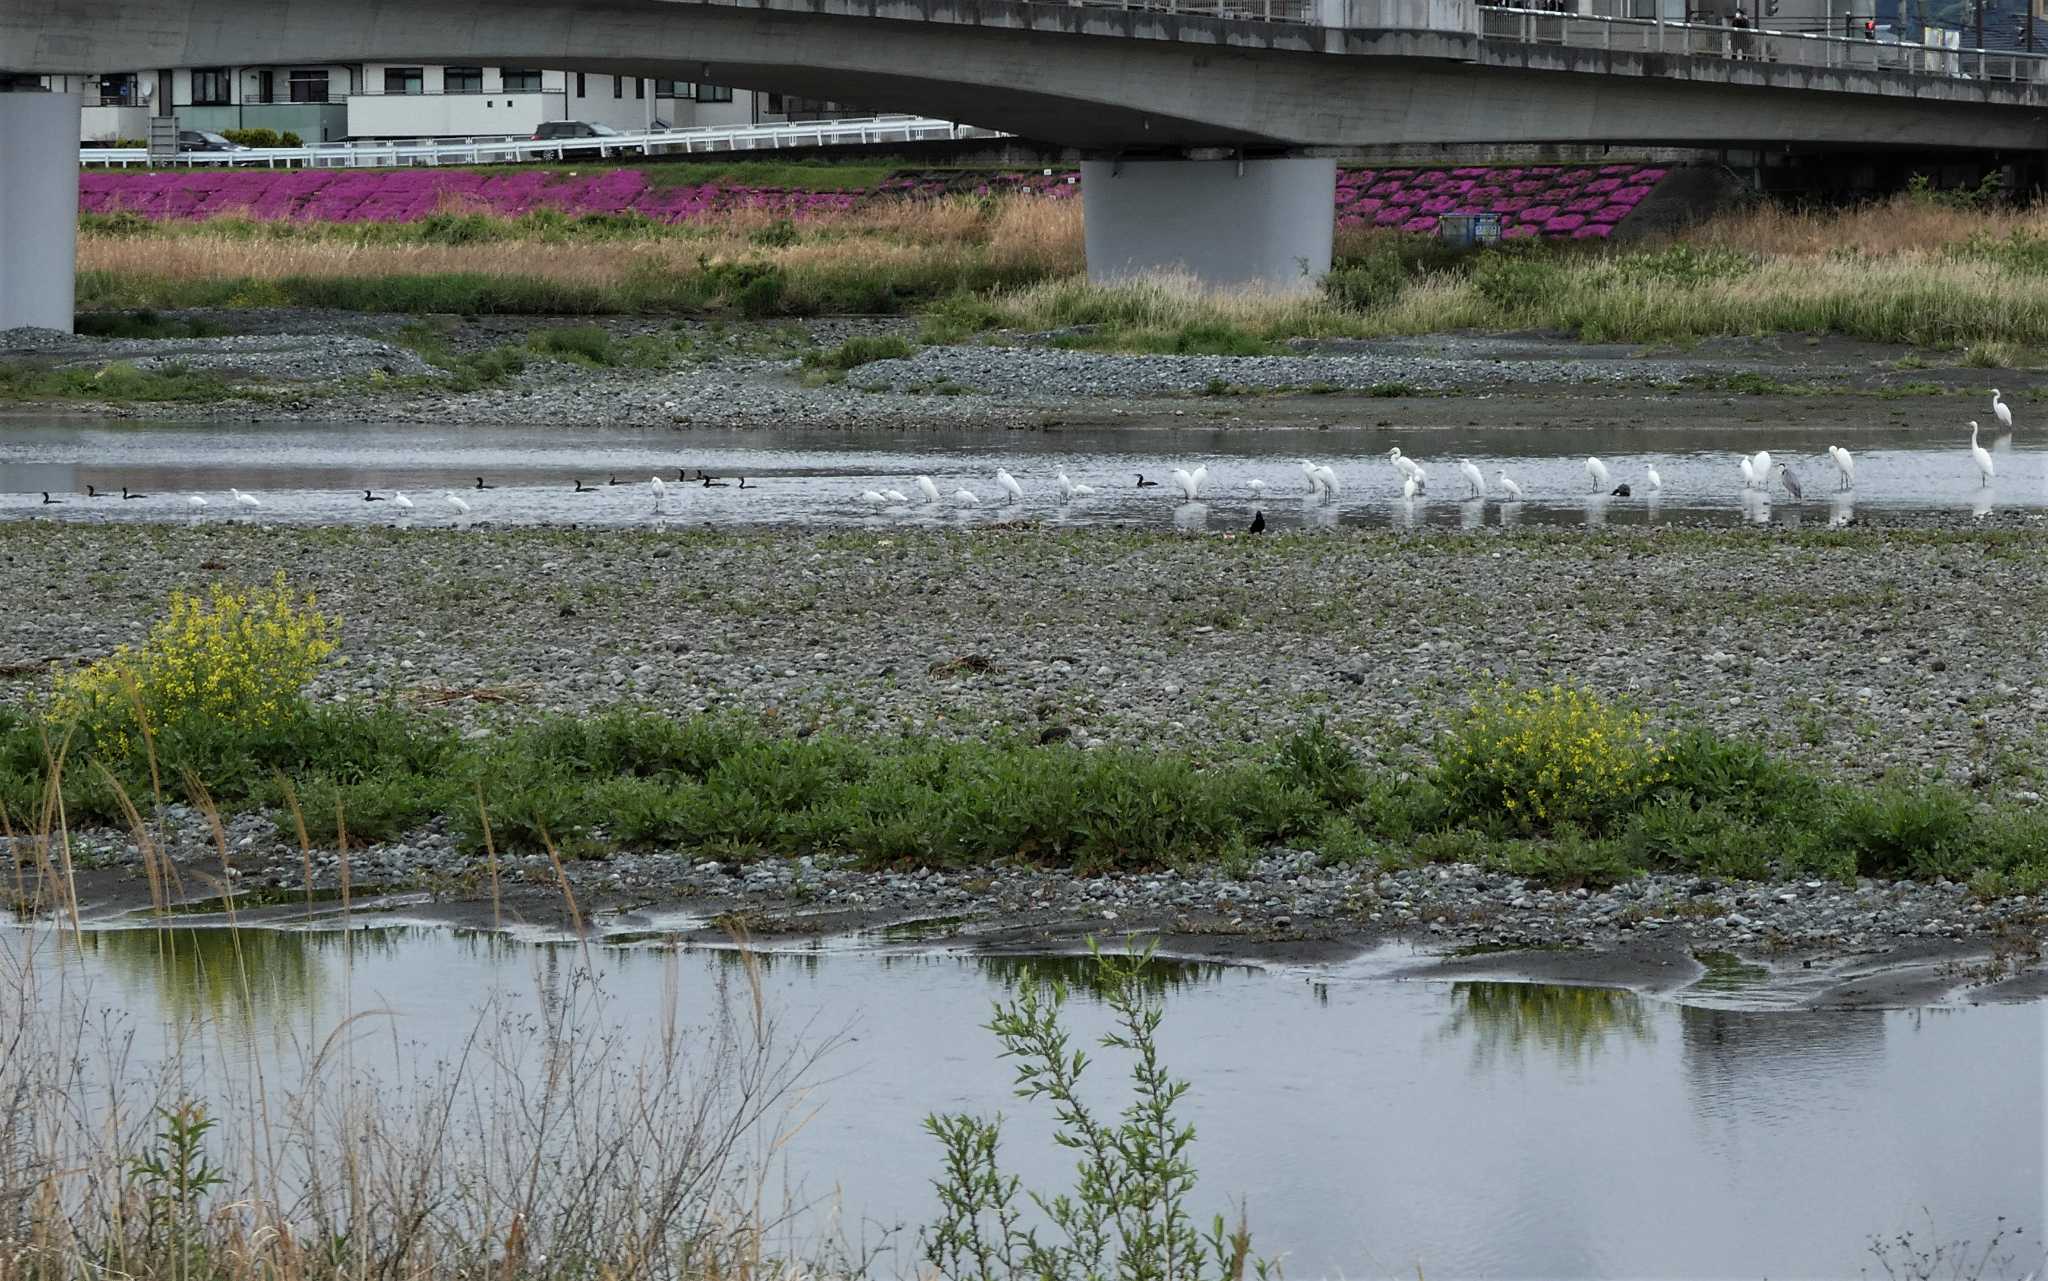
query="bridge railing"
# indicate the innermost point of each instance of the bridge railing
(499, 150)
(1786, 48)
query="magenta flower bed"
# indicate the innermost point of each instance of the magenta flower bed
(1545, 200)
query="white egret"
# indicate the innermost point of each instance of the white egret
(873, 498)
(1421, 475)
(1308, 470)
(928, 489)
(1083, 491)
(1597, 470)
(245, 500)
(2001, 410)
(1201, 478)
(1328, 480)
(966, 498)
(196, 503)
(1406, 466)
(1009, 485)
(1652, 478)
(1258, 487)
(895, 497)
(461, 508)
(1063, 483)
(1845, 466)
(1748, 472)
(1509, 487)
(1188, 488)
(1762, 465)
(1473, 477)
(400, 501)
(660, 491)
(1985, 470)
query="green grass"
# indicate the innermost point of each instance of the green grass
(862, 349)
(120, 381)
(726, 787)
(146, 324)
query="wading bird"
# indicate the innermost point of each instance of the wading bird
(1509, 487)
(1406, 466)
(1257, 486)
(660, 491)
(196, 503)
(1063, 483)
(1761, 465)
(400, 501)
(245, 500)
(1009, 485)
(1651, 477)
(461, 508)
(873, 498)
(1748, 471)
(1986, 472)
(928, 489)
(1188, 487)
(1597, 470)
(1328, 480)
(1410, 487)
(1845, 467)
(966, 498)
(1790, 482)
(895, 496)
(2001, 410)
(1473, 477)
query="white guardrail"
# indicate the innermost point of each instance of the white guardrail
(868, 130)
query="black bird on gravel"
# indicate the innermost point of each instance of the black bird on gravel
(1146, 484)
(1621, 490)
(1258, 523)
(369, 497)
(126, 494)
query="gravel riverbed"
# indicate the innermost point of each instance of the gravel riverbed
(1911, 648)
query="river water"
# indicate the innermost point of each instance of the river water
(317, 474)
(1374, 1127)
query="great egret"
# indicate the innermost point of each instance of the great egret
(1597, 470)
(1509, 487)
(244, 500)
(480, 484)
(1258, 523)
(1146, 484)
(966, 498)
(1473, 477)
(1762, 466)
(1790, 482)
(196, 503)
(873, 498)
(370, 497)
(1258, 487)
(51, 502)
(1406, 466)
(1083, 491)
(400, 501)
(928, 489)
(1985, 471)
(1748, 472)
(1650, 475)
(1314, 476)
(1188, 487)
(1845, 467)
(461, 508)
(2001, 410)
(1202, 478)
(1009, 485)
(1328, 480)
(1064, 483)
(895, 497)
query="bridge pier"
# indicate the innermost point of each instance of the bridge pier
(38, 208)
(1229, 223)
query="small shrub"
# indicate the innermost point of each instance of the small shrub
(861, 349)
(1324, 765)
(582, 345)
(1898, 829)
(1542, 757)
(1365, 283)
(1571, 860)
(780, 234)
(1517, 281)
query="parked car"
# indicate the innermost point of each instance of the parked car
(205, 140)
(571, 130)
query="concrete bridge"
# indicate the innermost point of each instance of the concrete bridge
(1212, 124)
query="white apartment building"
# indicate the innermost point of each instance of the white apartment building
(337, 102)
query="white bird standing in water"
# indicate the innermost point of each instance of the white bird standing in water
(1597, 470)
(1790, 482)
(196, 503)
(1845, 467)
(1473, 477)
(660, 492)
(1315, 483)
(1748, 472)
(1083, 491)
(1201, 478)
(873, 498)
(1651, 478)
(461, 508)
(2001, 410)
(928, 489)
(966, 498)
(1761, 464)
(1327, 478)
(895, 497)
(1009, 485)
(245, 500)
(1189, 488)
(1064, 484)
(1406, 466)
(1257, 486)
(1509, 487)
(1986, 472)
(400, 501)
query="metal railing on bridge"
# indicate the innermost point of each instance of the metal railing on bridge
(867, 130)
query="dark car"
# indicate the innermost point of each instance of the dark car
(572, 130)
(205, 140)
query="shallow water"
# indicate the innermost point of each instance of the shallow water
(1376, 1127)
(316, 474)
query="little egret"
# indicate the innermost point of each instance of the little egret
(660, 491)
(1761, 464)
(461, 508)
(1258, 523)
(1473, 477)
(51, 502)
(1146, 484)
(1009, 485)
(1188, 487)
(126, 494)
(1328, 480)
(1314, 475)
(1985, 471)
(370, 497)
(1083, 491)
(244, 500)
(400, 501)
(196, 503)
(1202, 478)
(2001, 410)
(966, 498)
(928, 489)
(1748, 472)
(1597, 470)
(1064, 484)
(1509, 487)
(1790, 482)
(480, 484)
(1258, 487)
(873, 498)
(1652, 478)
(895, 496)
(1845, 467)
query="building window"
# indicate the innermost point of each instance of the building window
(580, 91)
(774, 104)
(713, 93)
(522, 80)
(405, 80)
(639, 87)
(463, 80)
(210, 87)
(118, 91)
(681, 88)
(618, 86)
(308, 85)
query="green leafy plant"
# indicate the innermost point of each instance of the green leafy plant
(1543, 757)
(172, 1177)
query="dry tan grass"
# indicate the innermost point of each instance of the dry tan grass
(1881, 229)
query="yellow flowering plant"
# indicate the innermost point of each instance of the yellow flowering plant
(238, 656)
(1548, 756)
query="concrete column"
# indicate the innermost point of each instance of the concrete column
(1226, 223)
(38, 209)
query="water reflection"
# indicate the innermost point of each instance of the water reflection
(1471, 513)
(1503, 1020)
(1191, 517)
(1596, 511)
(1084, 973)
(251, 979)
